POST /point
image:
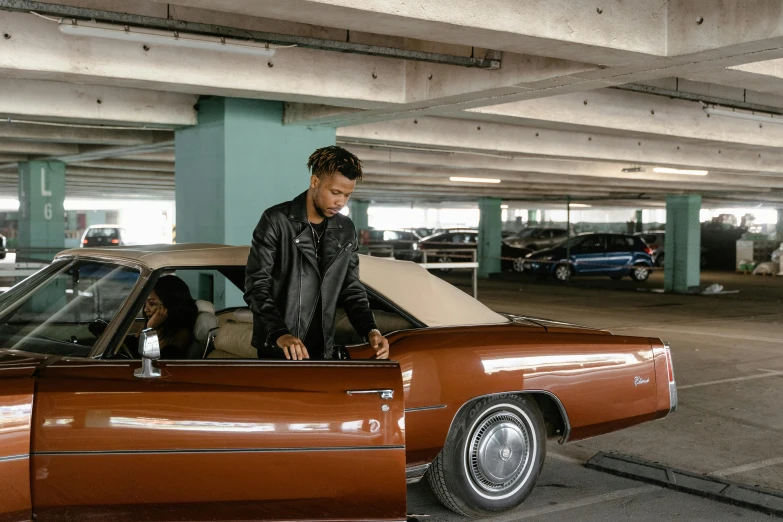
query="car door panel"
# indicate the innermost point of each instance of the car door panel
(220, 440)
(16, 405)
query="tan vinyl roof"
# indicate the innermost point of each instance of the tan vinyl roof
(429, 299)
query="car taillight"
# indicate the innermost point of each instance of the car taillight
(84, 242)
(115, 241)
(669, 364)
(648, 250)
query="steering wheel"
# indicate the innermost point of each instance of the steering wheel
(97, 327)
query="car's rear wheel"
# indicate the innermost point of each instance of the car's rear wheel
(563, 272)
(444, 259)
(519, 264)
(640, 272)
(492, 456)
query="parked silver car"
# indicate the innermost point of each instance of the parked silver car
(537, 238)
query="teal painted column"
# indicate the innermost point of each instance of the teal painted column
(360, 219)
(489, 235)
(359, 213)
(639, 221)
(532, 217)
(779, 226)
(238, 161)
(41, 212)
(683, 243)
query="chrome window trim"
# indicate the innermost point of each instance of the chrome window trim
(217, 450)
(12, 458)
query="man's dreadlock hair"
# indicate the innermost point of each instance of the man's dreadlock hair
(328, 160)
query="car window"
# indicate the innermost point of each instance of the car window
(621, 243)
(66, 313)
(110, 233)
(593, 243)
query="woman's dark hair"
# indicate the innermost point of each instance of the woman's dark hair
(328, 160)
(174, 293)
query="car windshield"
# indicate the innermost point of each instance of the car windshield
(64, 309)
(111, 233)
(571, 243)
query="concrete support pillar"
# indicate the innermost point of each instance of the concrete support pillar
(359, 213)
(489, 236)
(779, 226)
(683, 243)
(639, 221)
(532, 217)
(360, 220)
(239, 160)
(41, 212)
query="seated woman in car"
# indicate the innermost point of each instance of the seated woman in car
(171, 312)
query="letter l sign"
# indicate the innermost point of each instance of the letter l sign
(44, 191)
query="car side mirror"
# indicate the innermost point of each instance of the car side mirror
(149, 349)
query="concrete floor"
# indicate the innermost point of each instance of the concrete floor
(728, 361)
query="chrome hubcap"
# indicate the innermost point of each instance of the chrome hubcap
(499, 452)
(519, 265)
(641, 273)
(562, 273)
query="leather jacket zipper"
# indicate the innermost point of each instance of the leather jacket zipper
(342, 251)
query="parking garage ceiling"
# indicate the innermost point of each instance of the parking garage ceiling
(553, 99)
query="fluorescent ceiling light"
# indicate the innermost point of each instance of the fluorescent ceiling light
(667, 170)
(580, 205)
(170, 38)
(474, 180)
(503, 206)
(743, 115)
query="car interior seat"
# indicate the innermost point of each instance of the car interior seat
(345, 335)
(204, 330)
(233, 339)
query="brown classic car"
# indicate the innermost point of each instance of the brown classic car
(91, 429)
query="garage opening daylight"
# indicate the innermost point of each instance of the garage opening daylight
(432, 260)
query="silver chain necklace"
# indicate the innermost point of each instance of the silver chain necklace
(317, 239)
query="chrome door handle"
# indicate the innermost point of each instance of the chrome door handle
(385, 394)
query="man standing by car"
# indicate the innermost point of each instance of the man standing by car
(303, 263)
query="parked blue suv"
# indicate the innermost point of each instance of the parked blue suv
(614, 255)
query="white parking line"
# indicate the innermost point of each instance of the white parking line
(573, 504)
(747, 467)
(768, 373)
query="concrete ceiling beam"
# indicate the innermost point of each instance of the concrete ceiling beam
(543, 181)
(444, 134)
(464, 164)
(70, 133)
(139, 166)
(56, 101)
(21, 148)
(630, 113)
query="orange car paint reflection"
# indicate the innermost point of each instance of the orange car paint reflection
(16, 406)
(273, 435)
(592, 373)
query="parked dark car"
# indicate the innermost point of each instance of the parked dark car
(444, 243)
(3, 247)
(656, 240)
(537, 238)
(614, 255)
(104, 236)
(388, 243)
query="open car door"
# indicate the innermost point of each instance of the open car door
(219, 440)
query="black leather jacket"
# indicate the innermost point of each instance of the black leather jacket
(282, 280)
